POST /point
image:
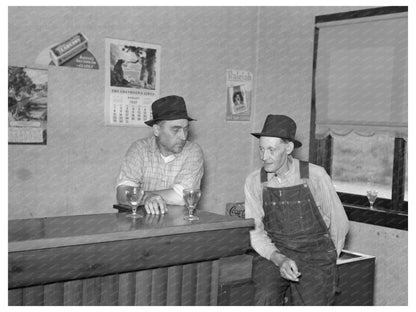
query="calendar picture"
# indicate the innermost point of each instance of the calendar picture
(27, 98)
(132, 72)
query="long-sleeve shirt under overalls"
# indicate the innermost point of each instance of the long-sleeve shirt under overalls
(322, 190)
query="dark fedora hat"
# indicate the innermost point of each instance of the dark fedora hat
(170, 107)
(279, 126)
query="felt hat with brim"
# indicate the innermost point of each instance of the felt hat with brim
(170, 107)
(279, 126)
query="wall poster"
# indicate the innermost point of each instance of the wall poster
(27, 92)
(239, 85)
(132, 75)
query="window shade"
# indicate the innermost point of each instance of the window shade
(361, 76)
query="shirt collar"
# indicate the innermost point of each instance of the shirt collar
(291, 170)
(167, 159)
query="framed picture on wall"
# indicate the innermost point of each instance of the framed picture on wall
(27, 98)
(239, 85)
(132, 81)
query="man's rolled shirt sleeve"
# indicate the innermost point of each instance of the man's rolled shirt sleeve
(131, 171)
(191, 172)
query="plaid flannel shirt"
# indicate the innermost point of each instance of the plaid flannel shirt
(144, 163)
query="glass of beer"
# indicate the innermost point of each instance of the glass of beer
(372, 196)
(191, 198)
(134, 197)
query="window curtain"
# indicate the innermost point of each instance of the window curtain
(361, 76)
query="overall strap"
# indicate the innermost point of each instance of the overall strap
(304, 175)
(304, 169)
(263, 175)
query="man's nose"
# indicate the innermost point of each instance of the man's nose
(182, 135)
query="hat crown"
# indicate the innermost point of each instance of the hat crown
(171, 107)
(168, 105)
(279, 126)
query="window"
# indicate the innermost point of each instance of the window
(359, 104)
(358, 164)
(361, 163)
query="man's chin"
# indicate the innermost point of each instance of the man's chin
(268, 168)
(177, 149)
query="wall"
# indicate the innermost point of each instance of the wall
(390, 247)
(82, 157)
(75, 172)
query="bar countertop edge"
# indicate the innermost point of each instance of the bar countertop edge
(42, 243)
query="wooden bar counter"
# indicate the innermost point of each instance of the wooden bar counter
(109, 259)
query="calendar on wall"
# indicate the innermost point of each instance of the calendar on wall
(132, 81)
(27, 101)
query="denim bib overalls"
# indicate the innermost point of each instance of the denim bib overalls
(293, 222)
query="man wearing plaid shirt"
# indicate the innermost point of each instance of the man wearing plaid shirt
(165, 163)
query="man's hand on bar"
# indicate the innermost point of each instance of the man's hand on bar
(154, 203)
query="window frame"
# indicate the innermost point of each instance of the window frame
(388, 212)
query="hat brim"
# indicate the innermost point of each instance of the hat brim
(296, 143)
(151, 122)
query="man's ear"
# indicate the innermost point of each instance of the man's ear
(156, 130)
(289, 148)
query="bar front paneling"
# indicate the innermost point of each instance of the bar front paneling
(108, 259)
(147, 287)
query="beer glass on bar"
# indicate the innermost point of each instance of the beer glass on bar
(372, 196)
(134, 197)
(191, 198)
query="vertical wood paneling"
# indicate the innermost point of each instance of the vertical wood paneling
(73, 293)
(109, 290)
(159, 286)
(143, 287)
(188, 284)
(215, 277)
(16, 297)
(126, 289)
(174, 286)
(91, 291)
(203, 283)
(33, 296)
(54, 294)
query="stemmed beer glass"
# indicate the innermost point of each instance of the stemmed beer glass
(372, 196)
(372, 193)
(191, 198)
(134, 197)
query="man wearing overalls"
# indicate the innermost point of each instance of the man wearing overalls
(300, 223)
